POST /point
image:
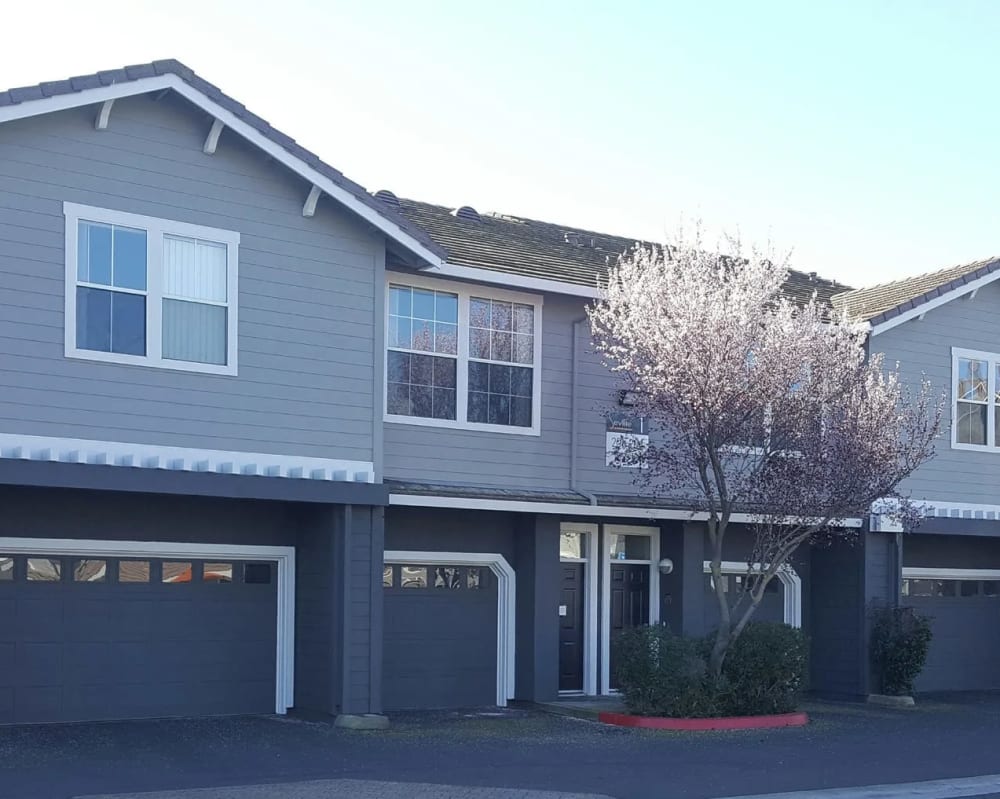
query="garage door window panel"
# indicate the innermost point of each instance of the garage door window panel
(90, 571)
(133, 571)
(6, 569)
(44, 570)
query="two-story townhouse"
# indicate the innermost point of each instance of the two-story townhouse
(499, 423)
(945, 327)
(190, 409)
(269, 441)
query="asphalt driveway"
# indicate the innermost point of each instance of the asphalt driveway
(845, 745)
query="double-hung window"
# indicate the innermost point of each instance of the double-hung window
(151, 292)
(975, 404)
(462, 356)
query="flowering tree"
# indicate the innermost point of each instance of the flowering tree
(763, 406)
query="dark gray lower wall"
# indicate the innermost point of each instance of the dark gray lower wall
(447, 530)
(72, 513)
(836, 603)
(951, 551)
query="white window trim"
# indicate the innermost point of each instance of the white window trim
(506, 603)
(653, 533)
(465, 292)
(284, 556)
(155, 230)
(786, 575)
(993, 360)
(590, 609)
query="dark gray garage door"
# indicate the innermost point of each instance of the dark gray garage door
(772, 606)
(965, 650)
(440, 647)
(103, 638)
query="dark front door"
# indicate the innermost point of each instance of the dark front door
(571, 628)
(629, 602)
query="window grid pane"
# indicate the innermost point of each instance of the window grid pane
(423, 320)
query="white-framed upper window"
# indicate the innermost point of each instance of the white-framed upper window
(975, 381)
(152, 292)
(462, 356)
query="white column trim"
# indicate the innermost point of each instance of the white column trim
(506, 603)
(284, 556)
(788, 577)
(654, 588)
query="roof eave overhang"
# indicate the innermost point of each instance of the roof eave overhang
(915, 309)
(114, 91)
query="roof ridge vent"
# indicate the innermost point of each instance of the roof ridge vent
(578, 239)
(387, 197)
(468, 213)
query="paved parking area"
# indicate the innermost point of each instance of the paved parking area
(846, 745)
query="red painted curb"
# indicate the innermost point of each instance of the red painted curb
(728, 723)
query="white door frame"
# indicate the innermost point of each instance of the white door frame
(506, 602)
(790, 581)
(653, 533)
(284, 556)
(590, 613)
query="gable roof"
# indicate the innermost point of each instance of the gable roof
(547, 251)
(888, 304)
(171, 74)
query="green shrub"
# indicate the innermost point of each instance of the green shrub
(661, 674)
(900, 639)
(764, 671)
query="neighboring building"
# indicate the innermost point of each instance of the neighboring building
(269, 441)
(945, 327)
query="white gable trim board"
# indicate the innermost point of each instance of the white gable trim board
(14, 446)
(104, 94)
(284, 557)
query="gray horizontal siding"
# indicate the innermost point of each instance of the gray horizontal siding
(306, 302)
(923, 347)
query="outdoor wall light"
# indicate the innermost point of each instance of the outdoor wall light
(666, 566)
(627, 398)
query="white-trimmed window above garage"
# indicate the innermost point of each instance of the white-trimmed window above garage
(461, 356)
(150, 292)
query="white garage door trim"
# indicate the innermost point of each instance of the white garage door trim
(920, 573)
(284, 556)
(506, 603)
(789, 579)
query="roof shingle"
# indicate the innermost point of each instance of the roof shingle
(532, 248)
(884, 301)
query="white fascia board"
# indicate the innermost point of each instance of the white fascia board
(570, 509)
(923, 308)
(101, 94)
(514, 281)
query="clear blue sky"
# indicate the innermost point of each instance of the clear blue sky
(862, 135)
